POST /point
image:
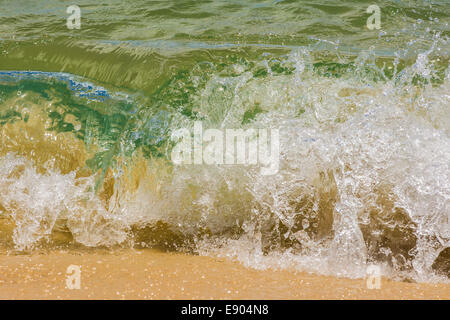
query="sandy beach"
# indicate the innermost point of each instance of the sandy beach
(152, 274)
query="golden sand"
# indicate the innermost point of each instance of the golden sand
(151, 274)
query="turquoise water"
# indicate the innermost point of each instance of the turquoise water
(86, 117)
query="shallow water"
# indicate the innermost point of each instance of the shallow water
(86, 118)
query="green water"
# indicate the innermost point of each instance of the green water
(140, 44)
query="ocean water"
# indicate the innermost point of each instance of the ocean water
(87, 115)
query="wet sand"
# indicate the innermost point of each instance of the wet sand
(151, 274)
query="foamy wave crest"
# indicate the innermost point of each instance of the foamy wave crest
(364, 169)
(41, 203)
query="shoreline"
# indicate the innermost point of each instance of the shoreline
(152, 274)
